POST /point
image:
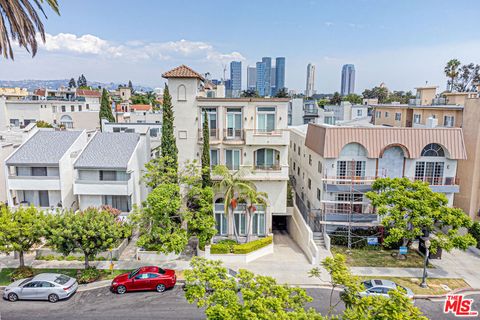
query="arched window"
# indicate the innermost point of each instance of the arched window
(433, 150)
(66, 121)
(267, 159)
(182, 93)
(354, 149)
(220, 219)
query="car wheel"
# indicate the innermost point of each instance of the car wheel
(161, 288)
(12, 297)
(53, 298)
(121, 289)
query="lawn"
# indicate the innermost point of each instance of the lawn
(376, 257)
(434, 285)
(106, 274)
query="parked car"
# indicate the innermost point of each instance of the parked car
(144, 278)
(44, 286)
(382, 287)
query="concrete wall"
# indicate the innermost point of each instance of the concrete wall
(303, 236)
(239, 258)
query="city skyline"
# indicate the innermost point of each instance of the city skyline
(108, 54)
(347, 85)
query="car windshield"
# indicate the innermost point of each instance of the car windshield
(367, 284)
(61, 279)
(25, 281)
(133, 273)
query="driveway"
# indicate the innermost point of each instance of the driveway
(287, 264)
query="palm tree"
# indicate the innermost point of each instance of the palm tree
(20, 22)
(234, 188)
(451, 71)
(253, 199)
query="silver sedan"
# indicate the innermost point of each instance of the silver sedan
(44, 286)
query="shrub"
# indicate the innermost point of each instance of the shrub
(474, 230)
(71, 258)
(220, 248)
(252, 246)
(21, 273)
(88, 275)
(100, 258)
(359, 237)
(48, 257)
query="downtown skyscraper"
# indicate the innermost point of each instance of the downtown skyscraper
(269, 79)
(310, 88)
(348, 79)
(235, 78)
(251, 78)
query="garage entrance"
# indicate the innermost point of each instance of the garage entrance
(279, 223)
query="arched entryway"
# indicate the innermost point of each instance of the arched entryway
(391, 163)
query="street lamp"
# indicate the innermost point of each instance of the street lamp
(427, 252)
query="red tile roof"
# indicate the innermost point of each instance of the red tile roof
(182, 72)
(88, 93)
(140, 107)
(39, 92)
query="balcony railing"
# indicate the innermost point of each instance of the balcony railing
(438, 181)
(213, 134)
(348, 180)
(268, 167)
(310, 112)
(345, 207)
(233, 134)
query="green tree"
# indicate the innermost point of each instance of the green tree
(72, 83)
(234, 187)
(336, 99)
(20, 229)
(168, 143)
(161, 221)
(380, 93)
(323, 102)
(250, 94)
(409, 208)
(451, 70)
(208, 286)
(43, 124)
(353, 98)
(340, 276)
(398, 306)
(253, 199)
(20, 22)
(82, 82)
(400, 96)
(106, 108)
(282, 93)
(468, 78)
(206, 178)
(90, 231)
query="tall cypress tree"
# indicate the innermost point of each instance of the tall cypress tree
(206, 179)
(168, 143)
(105, 108)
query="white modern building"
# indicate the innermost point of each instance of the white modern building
(109, 171)
(347, 112)
(248, 133)
(310, 88)
(331, 167)
(40, 171)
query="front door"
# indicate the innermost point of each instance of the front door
(234, 124)
(141, 282)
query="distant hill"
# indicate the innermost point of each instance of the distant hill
(31, 85)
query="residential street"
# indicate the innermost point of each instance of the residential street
(102, 304)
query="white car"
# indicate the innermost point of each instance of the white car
(382, 287)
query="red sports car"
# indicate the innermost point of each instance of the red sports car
(144, 278)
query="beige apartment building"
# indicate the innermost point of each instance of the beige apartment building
(246, 133)
(426, 110)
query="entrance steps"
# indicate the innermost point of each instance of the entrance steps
(318, 239)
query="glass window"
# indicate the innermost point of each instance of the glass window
(448, 121)
(350, 168)
(319, 194)
(398, 116)
(378, 114)
(232, 159)
(310, 159)
(154, 132)
(15, 122)
(214, 161)
(61, 279)
(431, 172)
(386, 114)
(266, 159)
(258, 222)
(44, 201)
(72, 108)
(39, 171)
(63, 108)
(319, 167)
(240, 220)
(417, 118)
(212, 118)
(359, 112)
(79, 108)
(309, 183)
(234, 123)
(433, 150)
(153, 275)
(142, 276)
(45, 284)
(122, 203)
(266, 119)
(108, 175)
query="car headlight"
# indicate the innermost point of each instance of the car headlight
(114, 283)
(7, 289)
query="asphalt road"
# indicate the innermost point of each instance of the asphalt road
(101, 304)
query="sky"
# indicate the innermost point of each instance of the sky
(403, 44)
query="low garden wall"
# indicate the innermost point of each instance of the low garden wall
(154, 256)
(240, 253)
(116, 252)
(303, 236)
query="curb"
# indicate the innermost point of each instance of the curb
(464, 291)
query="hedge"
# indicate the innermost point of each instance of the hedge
(474, 230)
(230, 246)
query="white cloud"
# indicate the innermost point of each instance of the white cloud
(135, 49)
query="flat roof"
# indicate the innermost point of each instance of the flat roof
(107, 150)
(244, 99)
(44, 148)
